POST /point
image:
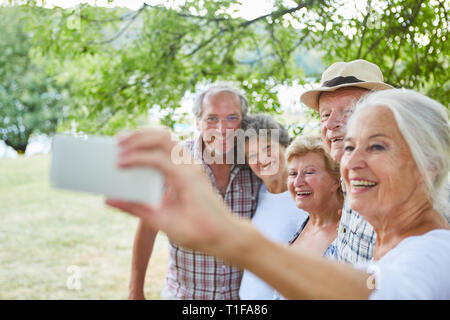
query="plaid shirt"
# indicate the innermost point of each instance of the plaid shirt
(194, 275)
(356, 238)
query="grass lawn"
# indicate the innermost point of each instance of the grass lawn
(44, 231)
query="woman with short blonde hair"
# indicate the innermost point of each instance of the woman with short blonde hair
(314, 184)
(301, 145)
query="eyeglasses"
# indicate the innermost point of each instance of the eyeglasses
(232, 119)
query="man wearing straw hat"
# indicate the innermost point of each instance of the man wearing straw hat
(342, 85)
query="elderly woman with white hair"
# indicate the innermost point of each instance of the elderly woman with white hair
(277, 217)
(395, 165)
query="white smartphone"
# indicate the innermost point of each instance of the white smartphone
(90, 164)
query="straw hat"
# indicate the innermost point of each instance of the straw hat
(358, 73)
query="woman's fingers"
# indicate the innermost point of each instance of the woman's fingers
(145, 158)
(146, 139)
(139, 210)
(179, 176)
(189, 208)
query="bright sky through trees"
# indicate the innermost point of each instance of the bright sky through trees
(248, 10)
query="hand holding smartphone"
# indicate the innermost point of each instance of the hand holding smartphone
(90, 164)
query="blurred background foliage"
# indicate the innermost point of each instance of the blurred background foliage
(98, 70)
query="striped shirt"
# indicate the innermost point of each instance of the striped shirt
(195, 275)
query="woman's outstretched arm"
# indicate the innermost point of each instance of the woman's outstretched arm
(193, 215)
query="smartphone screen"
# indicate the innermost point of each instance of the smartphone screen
(90, 164)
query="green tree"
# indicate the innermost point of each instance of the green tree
(31, 102)
(408, 39)
(135, 63)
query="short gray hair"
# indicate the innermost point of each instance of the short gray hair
(258, 122)
(215, 89)
(423, 123)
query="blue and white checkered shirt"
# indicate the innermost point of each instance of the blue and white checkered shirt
(356, 238)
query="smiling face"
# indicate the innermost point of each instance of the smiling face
(335, 108)
(377, 166)
(310, 184)
(221, 113)
(267, 160)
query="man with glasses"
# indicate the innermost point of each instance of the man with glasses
(193, 275)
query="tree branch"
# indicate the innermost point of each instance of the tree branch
(206, 42)
(121, 18)
(118, 34)
(278, 50)
(391, 30)
(277, 14)
(299, 42)
(397, 53)
(273, 15)
(366, 17)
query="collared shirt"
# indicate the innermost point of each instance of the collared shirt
(356, 238)
(195, 275)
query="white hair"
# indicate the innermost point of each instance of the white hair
(423, 123)
(215, 89)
